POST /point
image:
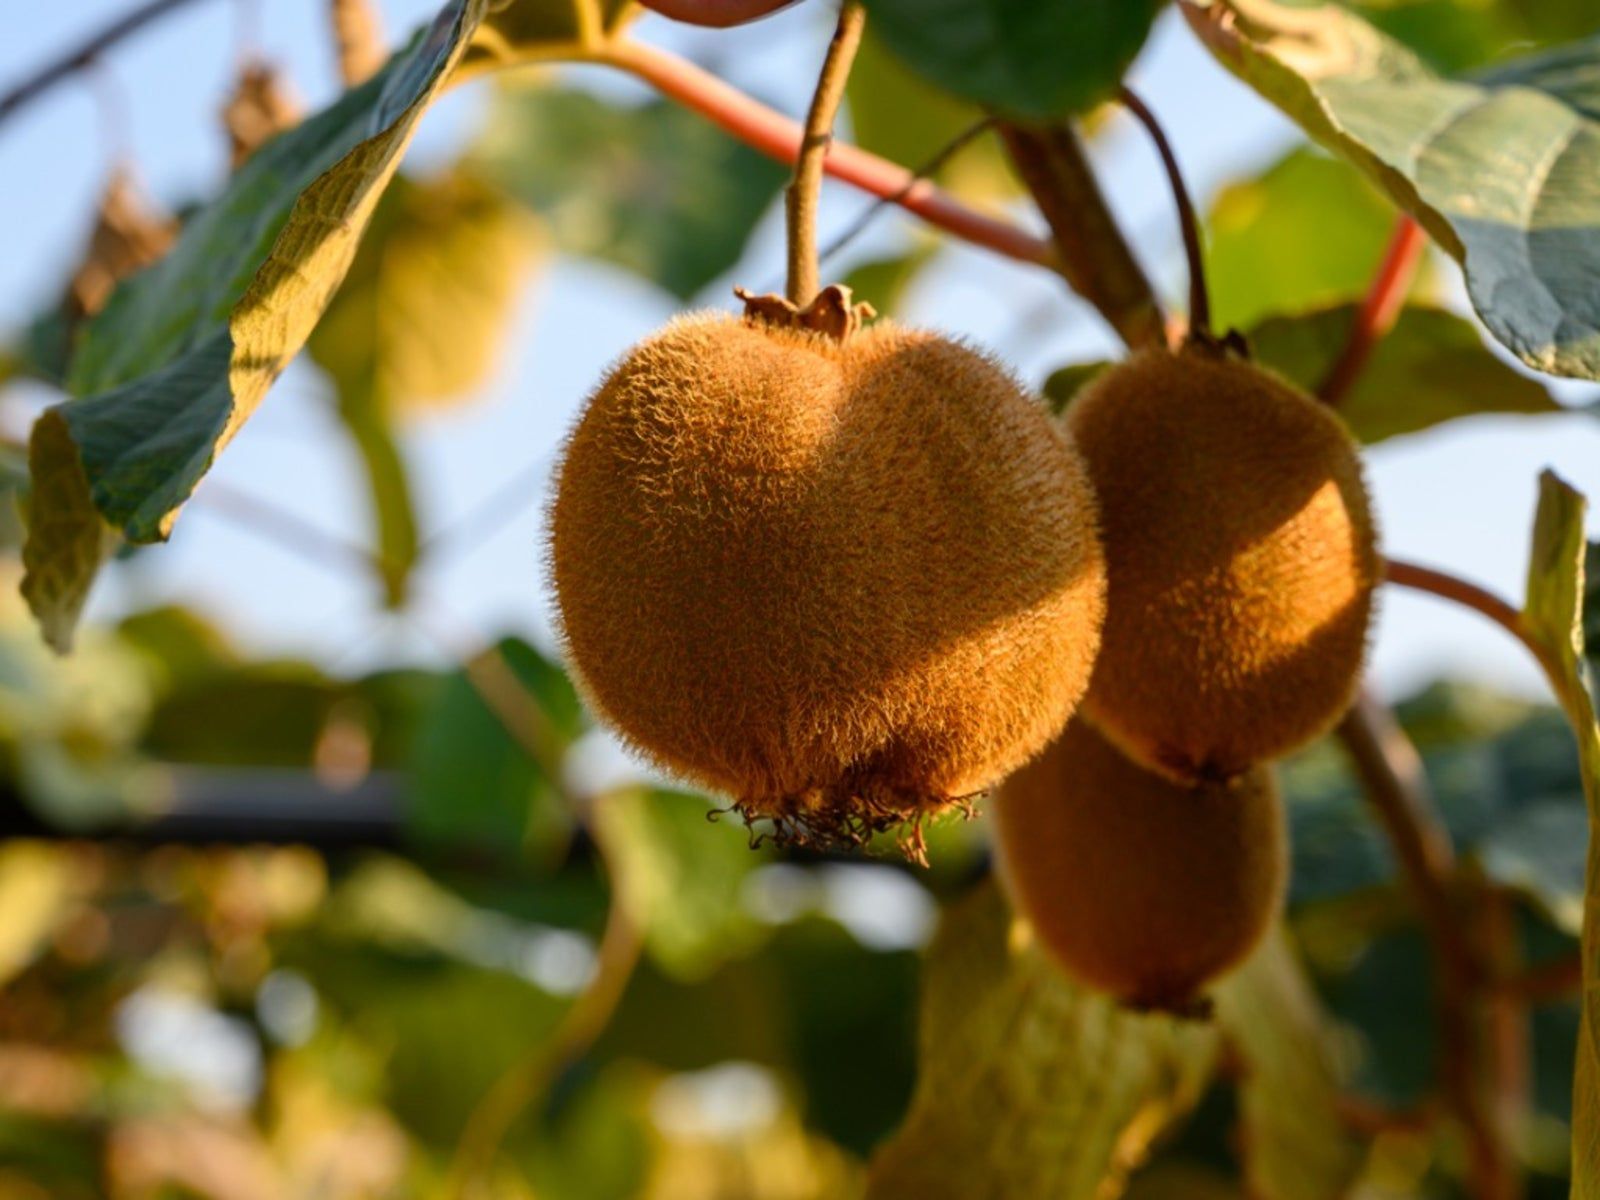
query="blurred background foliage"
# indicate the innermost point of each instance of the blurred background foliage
(270, 930)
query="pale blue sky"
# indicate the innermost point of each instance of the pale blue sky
(1461, 499)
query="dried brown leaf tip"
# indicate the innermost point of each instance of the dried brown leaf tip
(847, 582)
(129, 234)
(261, 107)
(832, 313)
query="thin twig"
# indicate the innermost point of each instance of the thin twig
(1392, 777)
(83, 54)
(777, 136)
(284, 528)
(1470, 595)
(1507, 1030)
(1093, 256)
(805, 189)
(1379, 310)
(526, 1082)
(1188, 222)
(923, 171)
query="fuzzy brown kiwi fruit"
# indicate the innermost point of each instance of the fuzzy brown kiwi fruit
(1137, 886)
(1241, 559)
(845, 580)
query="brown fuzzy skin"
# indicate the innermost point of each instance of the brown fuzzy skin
(844, 584)
(1242, 561)
(1138, 887)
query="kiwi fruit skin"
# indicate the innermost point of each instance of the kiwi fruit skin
(1139, 887)
(1241, 557)
(844, 583)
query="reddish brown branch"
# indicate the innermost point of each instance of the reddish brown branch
(1470, 595)
(717, 14)
(1379, 310)
(776, 135)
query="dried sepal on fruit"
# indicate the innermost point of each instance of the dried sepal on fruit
(1136, 886)
(846, 576)
(1241, 558)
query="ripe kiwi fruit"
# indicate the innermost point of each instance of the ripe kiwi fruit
(1241, 560)
(1140, 887)
(845, 576)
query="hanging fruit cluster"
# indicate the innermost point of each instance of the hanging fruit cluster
(852, 575)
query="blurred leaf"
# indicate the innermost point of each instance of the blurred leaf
(884, 282)
(34, 892)
(1432, 367)
(396, 542)
(1262, 256)
(1181, 1181)
(1498, 171)
(1295, 1144)
(654, 188)
(680, 875)
(1028, 58)
(1554, 617)
(422, 314)
(1017, 1095)
(179, 643)
(897, 114)
(1540, 851)
(1066, 382)
(1455, 35)
(267, 714)
(185, 351)
(474, 785)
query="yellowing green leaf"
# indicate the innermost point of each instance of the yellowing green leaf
(34, 893)
(185, 351)
(1028, 1085)
(1432, 367)
(1554, 617)
(1295, 1145)
(1499, 170)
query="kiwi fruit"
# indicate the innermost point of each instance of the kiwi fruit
(1139, 887)
(845, 578)
(1241, 561)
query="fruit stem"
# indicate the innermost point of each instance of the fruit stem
(1188, 222)
(806, 188)
(1093, 255)
(1379, 310)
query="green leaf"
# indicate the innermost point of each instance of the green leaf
(1554, 617)
(681, 875)
(897, 114)
(1028, 1085)
(419, 321)
(1432, 367)
(1456, 35)
(35, 893)
(1064, 383)
(655, 188)
(1296, 1146)
(1499, 171)
(474, 785)
(884, 282)
(185, 351)
(1028, 58)
(1262, 257)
